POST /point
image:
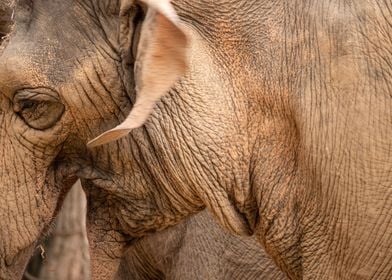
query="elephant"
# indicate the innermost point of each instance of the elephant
(197, 248)
(274, 115)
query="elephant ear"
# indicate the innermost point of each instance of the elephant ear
(160, 61)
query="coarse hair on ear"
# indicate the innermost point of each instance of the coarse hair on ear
(160, 61)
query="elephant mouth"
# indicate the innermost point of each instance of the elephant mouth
(16, 264)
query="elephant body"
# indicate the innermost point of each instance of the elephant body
(197, 248)
(274, 115)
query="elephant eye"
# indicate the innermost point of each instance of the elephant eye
(38, 108)
(27, 104)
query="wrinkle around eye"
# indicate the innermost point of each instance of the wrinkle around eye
(39, 108)
(43, 116)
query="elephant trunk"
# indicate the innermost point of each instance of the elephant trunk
(20, 185)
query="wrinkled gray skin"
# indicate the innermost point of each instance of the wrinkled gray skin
(282, 127)
(197, 248)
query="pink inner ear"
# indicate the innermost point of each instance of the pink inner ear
(161, 60)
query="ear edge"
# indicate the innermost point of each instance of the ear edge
(163, 7)
(108, 136)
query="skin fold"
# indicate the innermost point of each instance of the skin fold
(281, 127)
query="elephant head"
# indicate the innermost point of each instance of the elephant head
(68, 67)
